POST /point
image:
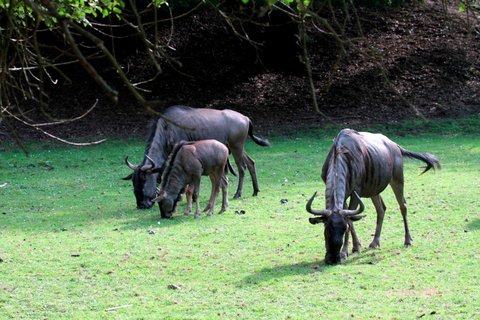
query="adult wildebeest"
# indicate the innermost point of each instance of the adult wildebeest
(361, 164)
(227, 126)
(185, 167)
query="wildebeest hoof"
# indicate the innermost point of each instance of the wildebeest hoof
(237, 195)
(186, 212)
(374, 245)
(408, 245)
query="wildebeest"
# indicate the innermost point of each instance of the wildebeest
(361, 164)
(227, 126)
(185, 167)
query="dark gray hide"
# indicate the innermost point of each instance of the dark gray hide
(226, 126)
(364, 163)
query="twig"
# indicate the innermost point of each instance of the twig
(66, 120)
(119, 307)
(78, 144)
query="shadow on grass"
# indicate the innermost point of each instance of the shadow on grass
(302, 268)
(474, 225)
(366, 257)
(152, 218)
(51, 220)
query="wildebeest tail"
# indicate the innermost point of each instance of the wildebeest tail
(228, 166)
(257, 140)
(429, 159)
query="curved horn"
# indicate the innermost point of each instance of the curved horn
(131, 166)
(316, 212)
(151, 160)
(357, 211)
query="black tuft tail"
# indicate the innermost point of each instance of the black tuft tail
(228, 166)
(429, 159)
(257, 140)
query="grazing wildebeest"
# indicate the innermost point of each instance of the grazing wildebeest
(184, 169)
(361, 164)
(227, 126)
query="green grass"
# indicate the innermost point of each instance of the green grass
(73, 245)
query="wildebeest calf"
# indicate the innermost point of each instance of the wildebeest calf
(186, 164)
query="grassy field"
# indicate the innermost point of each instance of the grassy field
(73, 246)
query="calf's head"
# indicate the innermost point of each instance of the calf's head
(144, 180)
(167, 204)
(336, 224)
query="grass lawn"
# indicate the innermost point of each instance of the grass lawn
(73, 246)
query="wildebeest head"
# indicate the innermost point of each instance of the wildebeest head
(167, 203)
(336, 223)
(144, 179)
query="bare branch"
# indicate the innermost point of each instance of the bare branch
(78, 144)
(66, 120)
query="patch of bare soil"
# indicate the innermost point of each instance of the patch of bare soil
(412, 57)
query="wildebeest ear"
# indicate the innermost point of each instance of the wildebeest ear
(356, 218)
(159, 197)
(129, 177)
(156, 170)
(316, 220)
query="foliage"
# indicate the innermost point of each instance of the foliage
(74, 247)
(77, 10)
(32, 54)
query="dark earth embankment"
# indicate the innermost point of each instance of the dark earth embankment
(413, 56)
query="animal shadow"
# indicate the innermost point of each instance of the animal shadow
(267, 274)
(474, 225)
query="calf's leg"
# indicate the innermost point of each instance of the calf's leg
(215, 179)
(224, 186)
(196, 195)
(189, 194)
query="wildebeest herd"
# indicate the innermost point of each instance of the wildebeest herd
(187, 143)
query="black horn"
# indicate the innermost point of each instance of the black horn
(131, 166)
(316, 212)
(356, 211)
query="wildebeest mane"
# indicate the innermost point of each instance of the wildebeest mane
(169, 166)
(151, 128)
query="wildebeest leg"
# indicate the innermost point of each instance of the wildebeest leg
(196, 193)
(241, 166)
(380, 208)
(397, 188)
(189, 194)
(355, 241)
(224, 186)
(253, 173)
(344, 253)
(215, 179)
